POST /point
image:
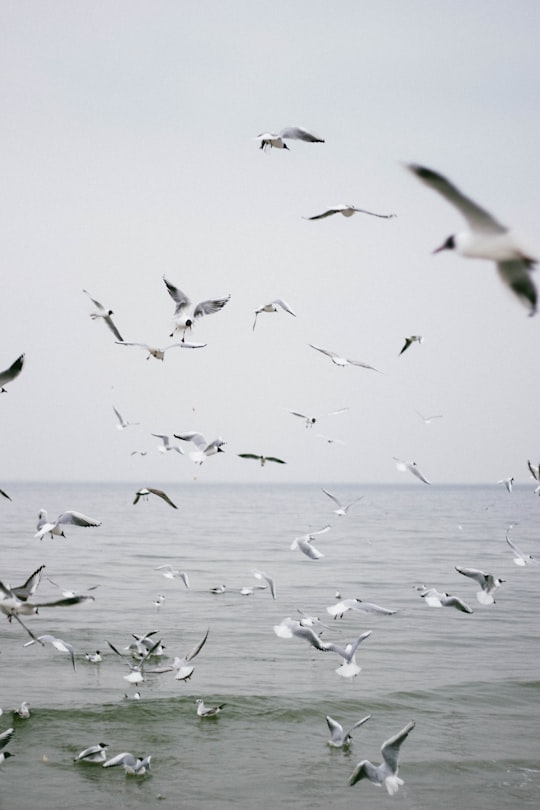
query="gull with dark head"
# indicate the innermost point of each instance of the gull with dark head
(410, 340)
(387, 772)
(68, 518)
(204, 447)
(102, 312)
(339, 737)
(185, 314)
(347, 210)
(338, 360)
(273, 306)
(412, 467)
(310, 420)
(488, 583)
(95, 753)
(144, 492)
(208, 711)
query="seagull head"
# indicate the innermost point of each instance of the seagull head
(449, 244)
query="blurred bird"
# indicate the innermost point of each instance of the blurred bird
(122, 423)
(305, 541)
(23, 711)
(134, 766)
(208, 711)
(508, 483)
(58, 644)
(260, 575)
(166, 444)
(310, 420)
(173, 573)
(182, 666)
(11, 373)
(412, 467)
(204, 448)
(96, 753)
(520, 557)
(341, 509)
(434, 598)
(277, 140)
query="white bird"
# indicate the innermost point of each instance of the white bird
(288, 628)
(93, 658)
(348, 667)
(101, 312)
(387, 772)
(96, 753)
(134, 766)
(434, 598)
(412, 467)
(305, 544)
(23, 711)
(146, 491)
(485, 239)
(173, 573)
(520, 557)
(218, 589)
(508, 483)
(208, 711)
(122, 423)
(13, 607)
(249, 590)
(159, 352)
(11, 373)
(341, 509)
(347, 210)
(277, 140)
(260, 575)
(184, 314)
(273, 306)
(310, 420)
(135, 675)
(410, 340)
(338, 610)
(58, 644)
(428, 419)
(182, 666)
(339, 737)
(204, 448)
(338, 360)
(488, 583)
(68, 518)
(166, 444)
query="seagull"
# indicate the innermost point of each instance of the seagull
(94, 658)
(428, 419)
(158, 601)
(23, 711)
(204, 448)
(276, 140)
(13, 607)
(101, 312)
(260, 575)
(218, 589)
(122, 424)
(341, 509)
(434, 598)
(173, 573)
(184, 317)
(387, 772)
(310, 621)
(10, 373)
(28, 588)
(135, 675)
(347, 210)
(485, 239)
(348, 667)
(5, 737)
(412, 467)
(310, 420)
(58, 644)
(166, 445)
(343, 361)
(304, 543)
(508, 483)
(146, 491)
(520, 558)
(410, 340)
(262, 459)
(182, 666)
(249, 590)
(134, 766)
(273, 306)
(339, 737)
(208, 711)
(338, 610)
(159, 353)
(68, 518)
(96, 753)
(69, 592)
(488, 583)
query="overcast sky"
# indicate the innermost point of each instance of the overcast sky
(128, 153)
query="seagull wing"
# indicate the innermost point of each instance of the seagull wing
(76, 519)
(197, 438)
(324, 351)
(109, 321)
(390, 748)
(198, 647)
(249, 455)
(336, 730)
(455, 601)
(163, 496)
(371, 214)
(277, 460)
(284, 305)
(406, 345)
(358, 724)
(13, 371)
(515, 274)
(336, 500)
(362, 365)
(6, 736)
(96, 303)
(180, 298)
(30, 586)
(478, 218)
(325, 214)
(299, 134)
(473, 573)
(209, 307)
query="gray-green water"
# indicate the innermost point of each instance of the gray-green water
(470, 682)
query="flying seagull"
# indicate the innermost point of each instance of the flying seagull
(387, 772)
(485, 239)
(260, 575)
(310, 420)
(433, 598)
(427, 419)
(13, 607)
(28, 588)
(277, 140)
(348, 210)
(122, 423)
(273, 306)
(146, 491)
(166, 445)
(520, 557)
(68, 518)
(159, 353)
(10, 373)
(173, 573)
(305, 541)
(412, 467)
(410, 340)
(508, 483)
(341, 509)
(58, 644)
(488, 583)
(204, 448)
(184, 314)
(262, 459)
(343, 361)
(182, 666)
(101, 312)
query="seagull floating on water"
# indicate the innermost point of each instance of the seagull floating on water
(273, 306)
(208, 711)
(347, 210)
(277, 140)
(93, 658)
(68, 518)
(488, 583)
(11, 373)
(339, 737)
(23, 711)
(387, 772)
(343, 361)
(485, 239)
(184, 317)
(96, 753)
(146, 491)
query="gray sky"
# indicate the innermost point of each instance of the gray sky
(128, 153)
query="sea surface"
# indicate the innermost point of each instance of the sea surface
(470, 682)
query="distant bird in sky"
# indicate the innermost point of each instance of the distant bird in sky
(339, 737)
(166, 445)
(508, 483)
(310, 420)
(433, 598)
(305, 544)
(204, 448)
(347, 210)
(159, 353)
(341, 510)
(428, 419)
(11, 373)
(184, 314)
(277, 140)
(173, 573)
(261, 459)
(273, 306)
(338, 360)
(488, 583)
(146, 491)
(387, 772)
(410, 340)
(69, 518)
(412, 467)
(208, 711)
(101, 312)
(95, 753)
(485, 239)
(122, 423)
